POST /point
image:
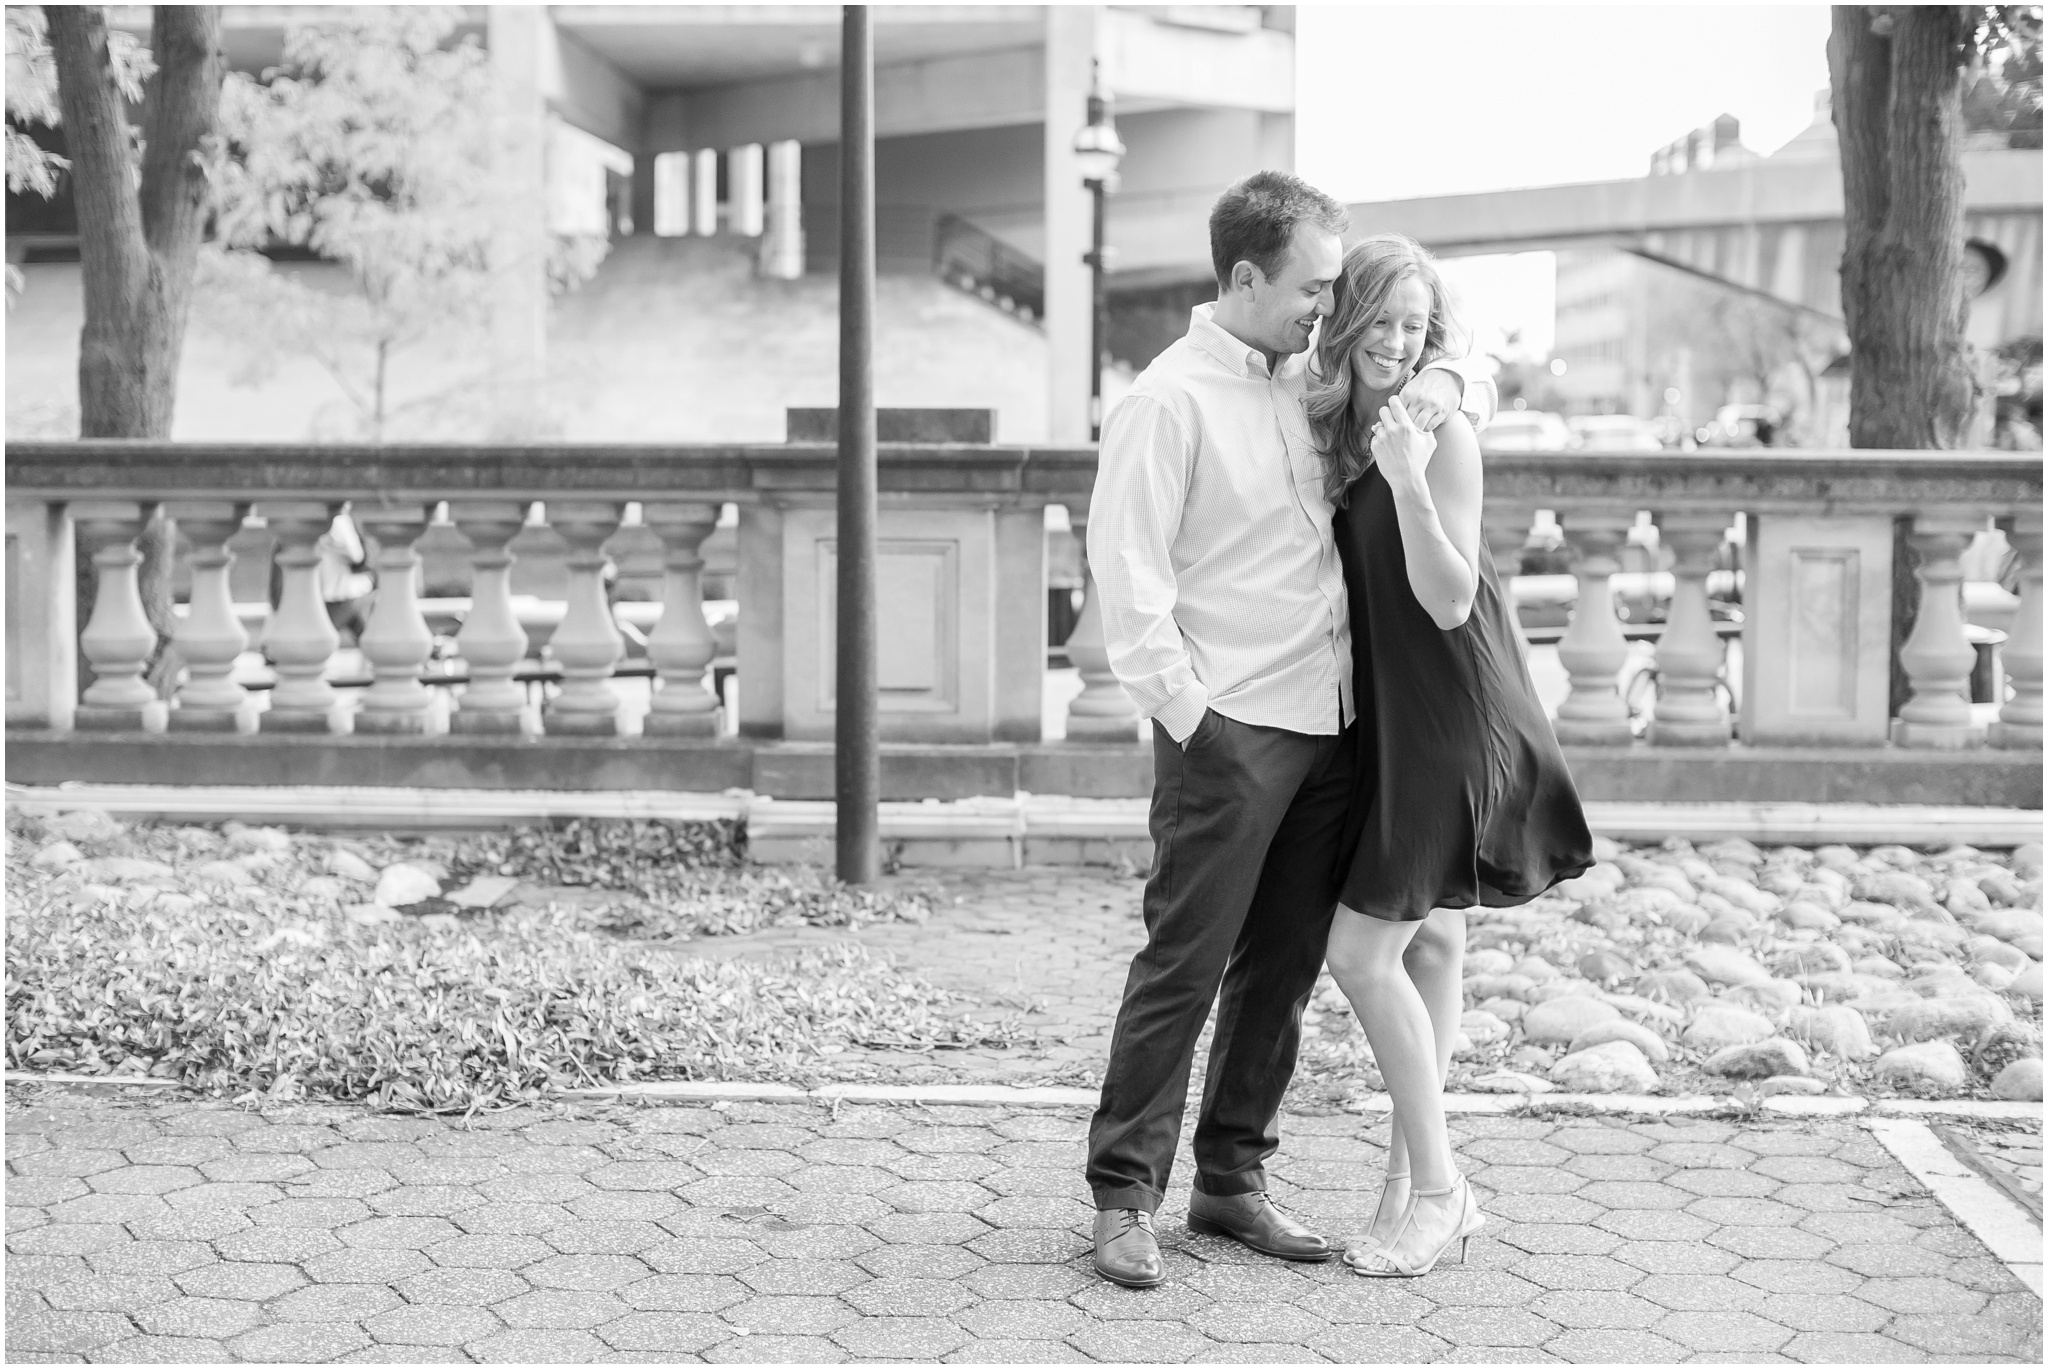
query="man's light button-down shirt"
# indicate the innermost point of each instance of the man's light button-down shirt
(1210, 542)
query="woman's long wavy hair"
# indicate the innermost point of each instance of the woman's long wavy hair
(1372, 268)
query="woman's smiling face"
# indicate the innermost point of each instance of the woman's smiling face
(1392, 343)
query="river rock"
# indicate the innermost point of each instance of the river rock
(124, 869)
(488, 891)
(1993, 977)
(1725, 965)
(1742, 894)
(1686, 919)
(2027, 983)
(1878, 966)
(1880, 916)
(1893, 854)
(1807, 916)
(1836, 857)
(223, 872)
(1817, 957)
(1757, 1060)
(1727, 931)
(1840, 986)
(2004, 1044)
(1961, 1015)
(1737, 849)
(1833, 1029)
(1771, 996)
(1620, 1029)
(1963, 897)
(1483, 1028)
(1488, 962)
(1719, 1025)
(1510, 1081)
(1639, 1009)
(1537, 968)
(1664, 877)
(1573, 987)
(405, 883)
(1527, 1057)
(85, 826)
(2019, 1081)
(1648, 905)
(174, 905)
(2009, 924)
(1561, 1019)
(273, 840)
(1939, 979)
(57, 855)
(371, 914)
(1990, 950)
(1786, 884)
(1930, 1064)
(322, 889)
(1789, 1083)
(1605, 967)
(1898, 888)
(2026, 860)
(1614, 1067)
(2000, 887)
(1485, 986)
(1672, 986)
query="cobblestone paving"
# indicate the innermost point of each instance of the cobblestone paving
(186, 1231)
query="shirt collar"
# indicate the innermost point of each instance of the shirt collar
(1241, 360)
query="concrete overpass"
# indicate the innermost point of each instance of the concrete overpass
(1773, 226)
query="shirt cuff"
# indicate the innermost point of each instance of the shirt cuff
(1182, 714)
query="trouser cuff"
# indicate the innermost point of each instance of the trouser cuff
(1143, 1199)
(1230, 1185)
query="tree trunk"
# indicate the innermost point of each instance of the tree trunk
(1897, 75)
(138, 244)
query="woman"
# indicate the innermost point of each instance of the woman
(1463, 798)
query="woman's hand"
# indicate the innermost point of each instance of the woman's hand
(1401, 448)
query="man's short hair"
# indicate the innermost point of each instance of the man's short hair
(1254, 221)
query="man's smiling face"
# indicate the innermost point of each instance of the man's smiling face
(1285, 307)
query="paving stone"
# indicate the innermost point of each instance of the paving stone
(1771, 1243)
(1697, 1292)
(145, 1178)
(1257, 1354)
(551, 1309)
(365, 1266)
(1930, 1295)
(803, 1276)
(1577, 1271)
(334, 1302)
(586, 1272)
(219, 1318)
(996, 1350)
(532, 1346)
(323, 1214)
(790, 1315)
(777, 1350)
(1823, 1312)
(1836, 1347)
(110, 1207)
(510, 1219)
(138, 1257)
(1560, 1238)
(1170, 1302)
(697, 1255)
(1723, 1330)
(161, 1350)
(276, 1245)
(1534, 1207)
(489, 1252)
(1745, 1212)
(1354, 1301)
(110, 1293)
(1489, 1326)
(929, 1228)
(674, 1332)
(254, 1282)
(1655, 1225)
(1600, 1310)
(1796, 1276)
(908, 1297)
(59, 1164)
(603, 1238)
(625, 1205)
(1376, 1344)
(432, 1325)
(1030, 1320)
(1532, 1179)
(68, 1238)
(64, 1333)
(255, 1169)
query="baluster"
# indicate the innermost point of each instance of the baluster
(210, 638)
(1507, 531)
(681, 645)
(300, 638)
(587, 644)
(118, 640)
(1102, 712)
(1593, 649)
(1937, 656)
(396, 640)
(1689, 711)
(2019, 723)
(491, 642)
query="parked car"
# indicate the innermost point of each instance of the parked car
(1742, 425)
(1614, 433)
(1525, 430)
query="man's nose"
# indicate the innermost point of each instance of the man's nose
(1326, 303)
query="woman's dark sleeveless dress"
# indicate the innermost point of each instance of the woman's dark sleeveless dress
(1462, 795)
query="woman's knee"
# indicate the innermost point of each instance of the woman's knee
(1439, 942)
(1366, 948)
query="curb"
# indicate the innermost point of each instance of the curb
(1007, 1096)
(2006, 1229)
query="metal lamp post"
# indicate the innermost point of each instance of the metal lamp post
(1098, 150)
(857, 766)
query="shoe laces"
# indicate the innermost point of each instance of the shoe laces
(1133, 1217)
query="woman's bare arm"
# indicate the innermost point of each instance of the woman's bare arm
(1438, 486)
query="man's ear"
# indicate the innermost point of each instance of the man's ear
(1245, 276)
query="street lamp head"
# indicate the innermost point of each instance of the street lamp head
(1096, 146)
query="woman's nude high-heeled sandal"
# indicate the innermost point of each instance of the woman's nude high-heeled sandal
(1383, 1263)
(1367, 1244)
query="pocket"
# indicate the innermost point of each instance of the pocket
(1205, 730)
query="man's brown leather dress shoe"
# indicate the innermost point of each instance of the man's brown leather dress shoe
(1252, 1219)
(1126, 1250)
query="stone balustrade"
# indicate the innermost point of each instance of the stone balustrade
(1812, 707)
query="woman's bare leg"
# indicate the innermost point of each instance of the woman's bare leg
(1366, 960)
(1435, 961)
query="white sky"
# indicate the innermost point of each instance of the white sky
(1496, 97)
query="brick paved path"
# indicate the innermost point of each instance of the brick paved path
(795, 1232)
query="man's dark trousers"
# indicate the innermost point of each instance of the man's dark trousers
(1246, 825)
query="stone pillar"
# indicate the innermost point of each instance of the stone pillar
(782, 247)
(1070, 50)
(587, 644)
(1937, 656)
(1593, 649)
(42, 616)
(1506, 530)
(519, 234)
(643, 194)
(1019, 623)
(396, 639)
(210, 638)
(300, 639)
(745, 189)
(2019, 723)
(1102, 712)
(681, 645)
(704, 195)
(118, 639)
(762, 655)
(1689, 711)
(491, 642)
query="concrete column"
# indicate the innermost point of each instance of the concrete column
(1070, 50)
(42, 616)
(396, 640)
(1101, 712)
(519, 239)
(1937, 657)
(1020, 624)
(2019, 723)
(119, 639)
(704, 195)
(491, 642)
(210, 638)
(761, 645)
(587, 644)
(1506, 530)
(681, 645)
(300, 638)
(672, 174)
(1689, 711)
(782, 249)
(643, 194)
(745, 189)
(1593, 649)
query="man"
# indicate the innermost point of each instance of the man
(1223, 609)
